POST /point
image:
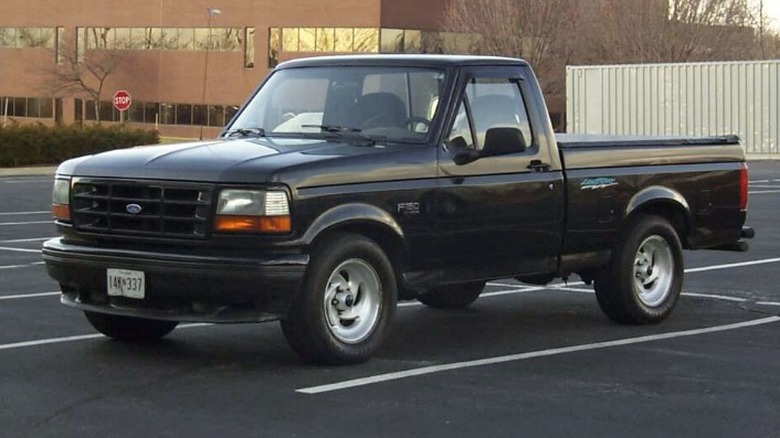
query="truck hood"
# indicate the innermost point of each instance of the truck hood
(238, 161)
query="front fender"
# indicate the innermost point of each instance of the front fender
(355, 213)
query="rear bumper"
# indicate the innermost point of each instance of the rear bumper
(179, 287)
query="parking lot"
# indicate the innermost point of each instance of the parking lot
(522, 361)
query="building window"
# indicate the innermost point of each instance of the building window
(249, 47)
(343, 40)
(274, 46)
(224, 39)
(27, 37)
(33, 107)
(151, 112)
(78, 110)
(216, 115)
(58, 42)
(78, 41)
(199, 115)
(392, 41)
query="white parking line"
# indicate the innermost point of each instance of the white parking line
(23, 181)
(21, 296)
(3, 224)
(5, 248)
(21, 266)
(36, 343)
(35, 239)
(760, 192)
(381, 378)
(732, 265)
(22, 213)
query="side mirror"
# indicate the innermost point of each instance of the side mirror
(502, 141)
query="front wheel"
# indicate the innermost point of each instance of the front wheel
(642, 282)
(130, 329)
(346, 304)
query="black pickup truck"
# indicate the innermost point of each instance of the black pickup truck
(346, 184)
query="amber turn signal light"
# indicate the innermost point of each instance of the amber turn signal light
(61, 212)
(253, 224)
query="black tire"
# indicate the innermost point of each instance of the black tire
(329, 322)
(130, 329)
(643, 280)
(452, 296)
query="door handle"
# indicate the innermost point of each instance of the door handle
(538, 166)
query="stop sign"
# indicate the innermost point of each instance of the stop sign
(122, 100)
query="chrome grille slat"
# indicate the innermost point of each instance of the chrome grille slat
(168, 210)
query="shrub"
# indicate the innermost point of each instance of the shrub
(30, 145)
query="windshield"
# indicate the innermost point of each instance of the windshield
(395, 104)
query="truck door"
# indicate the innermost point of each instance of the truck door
(500, 197)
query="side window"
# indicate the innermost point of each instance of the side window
(460, 135)
(497, 103)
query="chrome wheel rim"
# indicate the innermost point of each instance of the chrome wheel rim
(653, 271)
(352, 301)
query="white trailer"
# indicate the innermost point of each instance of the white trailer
(689, 99)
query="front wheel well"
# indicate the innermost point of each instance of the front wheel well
(390, 242)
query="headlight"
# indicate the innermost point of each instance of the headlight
(253, 211)
(60, 199)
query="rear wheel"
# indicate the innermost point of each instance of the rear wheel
(130, 329)
(642, 282)
(452, 296)
(346, 304)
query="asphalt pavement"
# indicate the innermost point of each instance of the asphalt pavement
(522, 361)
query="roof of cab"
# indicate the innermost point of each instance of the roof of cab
(401, 59)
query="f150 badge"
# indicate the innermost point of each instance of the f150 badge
(597, 183)
(409, 208)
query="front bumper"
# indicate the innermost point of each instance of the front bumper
(179, 287)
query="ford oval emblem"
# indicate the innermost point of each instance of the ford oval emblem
(133, 208)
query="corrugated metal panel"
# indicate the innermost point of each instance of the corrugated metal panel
(740, 98)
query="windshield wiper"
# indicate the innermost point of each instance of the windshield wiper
(354, 133)
(333, 128)
(246, 132)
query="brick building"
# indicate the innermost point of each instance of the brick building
(187, 63)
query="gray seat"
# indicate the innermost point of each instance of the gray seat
(380, 110)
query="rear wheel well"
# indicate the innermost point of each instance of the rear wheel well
(672, 212)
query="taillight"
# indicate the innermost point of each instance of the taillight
(743, 187)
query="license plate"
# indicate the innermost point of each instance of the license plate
(126, 283)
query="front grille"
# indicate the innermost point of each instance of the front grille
(148, 209)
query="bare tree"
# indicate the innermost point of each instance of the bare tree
(82, 73)
(669, 31)
(529, 29)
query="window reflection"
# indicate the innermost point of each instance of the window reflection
(249, 47)
(306, 40)
(274, 46)
(140, 112)
(343, 39)
(26, 107)
(157, 38)
(366, 40)
(27, 37)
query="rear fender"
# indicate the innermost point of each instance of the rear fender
(664, 202)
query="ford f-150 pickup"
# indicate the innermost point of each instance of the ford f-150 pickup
(348, 183)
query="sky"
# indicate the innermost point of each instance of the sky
(772, 10)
